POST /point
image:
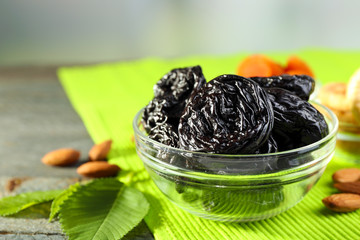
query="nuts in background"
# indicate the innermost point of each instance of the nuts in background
(99, 151)
(98, 169)
(95, 168)
(346, 175)
(342, 202)
(347, 181)
(61, 157)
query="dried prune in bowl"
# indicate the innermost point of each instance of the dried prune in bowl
(177, 85)
(171, 93)
(300, 85)
(165, 134)
(230, 114)
(297, 123)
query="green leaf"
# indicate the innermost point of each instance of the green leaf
(102, 209)
(13, 204)
(56, 203)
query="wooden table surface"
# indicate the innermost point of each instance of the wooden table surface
(35, 118)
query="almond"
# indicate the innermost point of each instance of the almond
(348, 187)
(98, 169)
(99, 151)
(346, 175)
(342, 202)
(61, 157)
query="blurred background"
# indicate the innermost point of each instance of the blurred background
(35, 32)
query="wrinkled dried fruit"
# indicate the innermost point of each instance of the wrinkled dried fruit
(270, 146)
(165, 134)
(348, 187)
(97, 169)
(230, 114)
(99, 151)
(296, 122)
(346, 175)
(300, 85)
(342, 202)
(171, 93)
(61, 157)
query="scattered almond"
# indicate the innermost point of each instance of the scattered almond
(342, 202)
(99, 151)
(96, 169)
(346, 175)
(348, 187)
(61, 157)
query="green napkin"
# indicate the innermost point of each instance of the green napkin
(108, 96)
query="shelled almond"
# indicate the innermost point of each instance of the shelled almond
(346, 175)
(347, 181)
(61, 157)
(348, 187)
(342, 202)
(99, 151)
(97, 169)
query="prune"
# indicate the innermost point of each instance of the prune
(154, 114)
(300, 85)
(165, 134)
(296, 122)
(270, 146)
(230, 114)
(170, 96)
(177, 85)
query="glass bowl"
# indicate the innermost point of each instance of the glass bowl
(235, 188)
(348, 142)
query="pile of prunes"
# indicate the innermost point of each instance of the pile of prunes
(231, 114)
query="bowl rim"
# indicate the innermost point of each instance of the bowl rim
(331, 133)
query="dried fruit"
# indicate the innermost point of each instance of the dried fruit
(300, 85)
(230, 114)
(96, 169)
(296, 122)
(298, 66)
(165, 134)
(61, 157)
(348, 187)
(171, 93)
(99, 151)
(258, 65)
(346, 175)
(342, 202)
(170, 96)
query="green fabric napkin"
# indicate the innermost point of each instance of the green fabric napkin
(108, 96)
